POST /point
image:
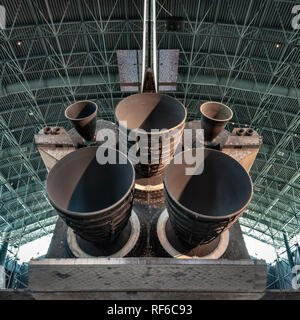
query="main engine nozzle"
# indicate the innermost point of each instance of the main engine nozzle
(95, 200)
(144, 112)
(202, 206)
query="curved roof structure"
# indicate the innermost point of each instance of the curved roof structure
(244, 53)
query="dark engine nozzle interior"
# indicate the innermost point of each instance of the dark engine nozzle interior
(152, 111)
(83, 117)
(94, 200)
(202, 206)
(214, 117)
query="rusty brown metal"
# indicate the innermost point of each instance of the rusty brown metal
(149, 111)
(149, 83)
(47, 130)
(56, 130)
(214, 117)
(240, 132)
(94, 200)
(202, 206)
(83, 117)
(249, 132)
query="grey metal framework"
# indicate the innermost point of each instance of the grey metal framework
(241, 52)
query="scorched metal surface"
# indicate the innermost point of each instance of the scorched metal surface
(149, 111)
(214, 117)
(202, 206)
(94, 200)
(83, 117)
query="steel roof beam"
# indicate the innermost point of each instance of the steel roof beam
(276, 226)
(264, 235)
(21, 201)
(93, 80)
(43, 215)
(275, 193)
(26, 236)
(59, 82)
(139, 22)
(279, 180)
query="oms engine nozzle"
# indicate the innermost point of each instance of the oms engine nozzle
(83, 117)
